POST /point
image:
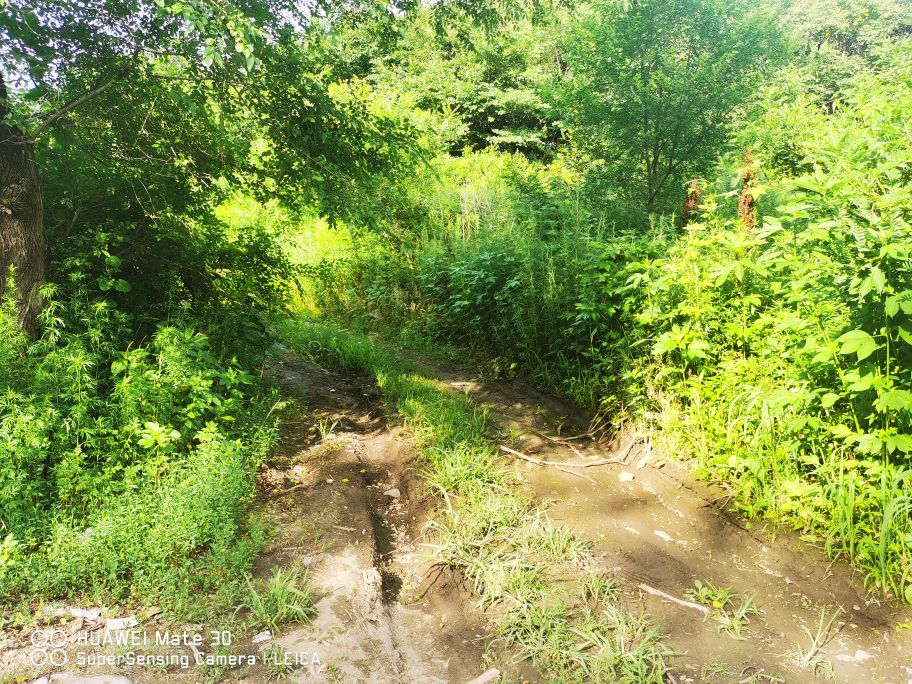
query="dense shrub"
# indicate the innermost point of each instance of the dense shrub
(778, 357)
(124, 465)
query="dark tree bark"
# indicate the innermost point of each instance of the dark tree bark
(22, 242)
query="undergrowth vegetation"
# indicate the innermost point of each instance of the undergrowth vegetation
(539, 581)
(135, 297)
(502, 178)
(128, 469)
(773, 348)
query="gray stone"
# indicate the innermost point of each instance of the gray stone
(73, 678)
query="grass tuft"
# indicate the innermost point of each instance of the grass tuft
(284, 599)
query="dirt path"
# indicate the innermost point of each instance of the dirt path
(341, 498)
(653, 524)
(350, 505)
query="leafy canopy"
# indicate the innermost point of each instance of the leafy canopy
(654, 85)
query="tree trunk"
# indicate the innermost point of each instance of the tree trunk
(22, 241)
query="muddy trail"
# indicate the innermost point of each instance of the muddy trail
(650, 523)
(343, 502)
(345, 498)
(658, 529)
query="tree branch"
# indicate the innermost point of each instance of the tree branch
(52, 118)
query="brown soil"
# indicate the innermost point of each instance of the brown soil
(382, 614)
(652, 523)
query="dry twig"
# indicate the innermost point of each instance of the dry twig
(669, 597)
(559, 464)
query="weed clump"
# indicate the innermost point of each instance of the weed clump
(283, 599)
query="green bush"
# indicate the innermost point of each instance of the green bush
(779, 357)
(124, 466)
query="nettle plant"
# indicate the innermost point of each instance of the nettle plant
(846, 235)
(851, 216)
(788, 349)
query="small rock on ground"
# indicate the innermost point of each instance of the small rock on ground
(73, 678)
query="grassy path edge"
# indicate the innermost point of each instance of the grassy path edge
(540, 583)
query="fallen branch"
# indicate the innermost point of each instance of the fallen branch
(633, 442)
(582, 435)
(559, 464)
(596, 425)
(669, 597)
(485, 677)
(573, 472)
(562, 442)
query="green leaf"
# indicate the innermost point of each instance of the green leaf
(878, 279)
(828, 399)
(903, 443)
(905, 302)
(863, 383)
(697, 349)
(772, 223)
(841, 431)
(857, 342)
(868, 443)
(905, 334)
(895, 400)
